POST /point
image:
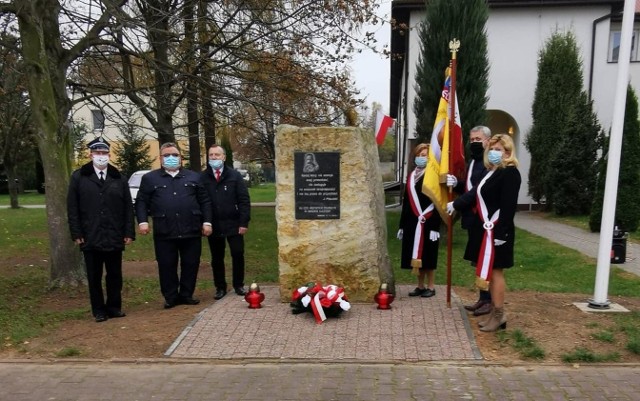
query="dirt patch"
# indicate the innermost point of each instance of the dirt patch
(551, 320)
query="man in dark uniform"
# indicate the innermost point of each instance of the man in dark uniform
(231, 214)
(478, 139)
(181, 212)
(101, 223)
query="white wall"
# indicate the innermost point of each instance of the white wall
(515, 37)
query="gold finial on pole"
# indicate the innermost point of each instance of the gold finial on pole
(454, 45)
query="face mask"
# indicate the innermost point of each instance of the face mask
(216, 164)
(494, 157)
(421, 161)
(100, 160)
(171, 162)
(477, 150)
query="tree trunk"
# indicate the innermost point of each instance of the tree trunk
(13, 186)
(46, 72)
(195, 162)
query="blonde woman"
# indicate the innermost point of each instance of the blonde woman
(496, 200)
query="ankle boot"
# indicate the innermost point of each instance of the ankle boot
(498, 321)
(487, 319)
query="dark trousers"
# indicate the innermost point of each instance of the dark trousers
(168, 252)
(217, 247)
(112, 262)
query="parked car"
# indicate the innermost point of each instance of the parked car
(244, 174)
(134, 183)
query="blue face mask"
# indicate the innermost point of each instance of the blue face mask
(494, 157)
(420, 161)
(171, 162)
(216, 164)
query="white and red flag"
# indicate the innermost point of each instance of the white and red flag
(383, 123)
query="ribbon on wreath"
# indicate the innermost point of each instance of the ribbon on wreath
(321, 298)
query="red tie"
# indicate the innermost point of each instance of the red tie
(218, 175)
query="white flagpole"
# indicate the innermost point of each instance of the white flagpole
(600, 300)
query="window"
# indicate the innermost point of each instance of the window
(614, 46)
(98, 120)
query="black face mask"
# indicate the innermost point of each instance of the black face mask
(477, 150)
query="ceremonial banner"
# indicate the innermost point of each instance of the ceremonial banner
(441, 160)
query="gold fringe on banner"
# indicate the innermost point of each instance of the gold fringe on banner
(482, 284)
(416, 264)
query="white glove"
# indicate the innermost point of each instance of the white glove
(498, 242)
(434, 235)
(450, 208)
(452, 181)
(399, 234)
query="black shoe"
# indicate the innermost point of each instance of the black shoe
(240, 291)
(220, 294)
(417, 292)
(170, 304)
(117, 313)
(428, 293)
(101, 317)
(188, 301)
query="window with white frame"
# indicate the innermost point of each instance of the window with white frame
(614, 46)
(98, 120)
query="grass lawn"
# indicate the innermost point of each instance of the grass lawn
(542, 265)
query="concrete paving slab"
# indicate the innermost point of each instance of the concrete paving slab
(415, 329)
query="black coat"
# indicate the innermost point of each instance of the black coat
(178, 205)
(469, 218)
(230, 202)
(408, 222)
(100, 213)
(500, 191)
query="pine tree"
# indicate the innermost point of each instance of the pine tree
(573, 160)
(133, 153)
(557, 91)
(464, 20)
(628, 198)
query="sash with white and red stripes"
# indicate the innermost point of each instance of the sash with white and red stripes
(469, 185)
(423, 215)
(485, 257)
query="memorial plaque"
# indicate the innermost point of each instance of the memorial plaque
(317, 185)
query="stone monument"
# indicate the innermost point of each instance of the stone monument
(330, 211)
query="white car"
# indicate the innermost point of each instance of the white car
(134, 183)
(244, 174)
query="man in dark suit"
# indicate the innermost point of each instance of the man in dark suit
(181, 212)
(231, 208)
(101, 223)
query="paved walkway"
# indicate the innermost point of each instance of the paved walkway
(273, 381)
(420, 349)
(581, 240)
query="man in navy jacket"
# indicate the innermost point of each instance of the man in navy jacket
(181, 212)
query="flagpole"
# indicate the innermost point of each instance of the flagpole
(454, 45)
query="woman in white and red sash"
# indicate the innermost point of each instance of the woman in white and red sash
(419, 228)
(496, 199)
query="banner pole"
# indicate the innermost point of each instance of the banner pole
(454, 45)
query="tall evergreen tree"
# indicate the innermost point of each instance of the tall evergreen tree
(464, 20)
(133, 153)
(628, 199)
(557, 92)
(573, 160)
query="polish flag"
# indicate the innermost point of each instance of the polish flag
(383, 123)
